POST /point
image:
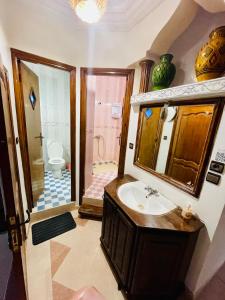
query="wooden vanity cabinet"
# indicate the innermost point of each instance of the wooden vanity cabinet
(149, 264)
(117, 239)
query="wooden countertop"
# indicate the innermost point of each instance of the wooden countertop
(170, 221)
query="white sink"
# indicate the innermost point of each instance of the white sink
(133, 195)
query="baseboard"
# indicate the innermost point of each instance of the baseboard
(51, 212)
(92, 212)
(92, 201)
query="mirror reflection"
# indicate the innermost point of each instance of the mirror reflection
(172, 140)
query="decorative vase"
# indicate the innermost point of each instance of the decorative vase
(210, 62)
(163, 73)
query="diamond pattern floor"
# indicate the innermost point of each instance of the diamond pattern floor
(96, 189)
(56, 192)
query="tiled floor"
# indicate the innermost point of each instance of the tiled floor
(215, 288)
(57, 191)
(104, 167)
(57, 268)
(96, 189)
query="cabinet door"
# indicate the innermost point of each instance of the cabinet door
(158, 262)
(108, 220)
(122, 246)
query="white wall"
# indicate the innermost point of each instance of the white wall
(210, 204)
(215, 257)
(186, 48)
(54, 88)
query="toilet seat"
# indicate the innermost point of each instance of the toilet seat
(56, 161)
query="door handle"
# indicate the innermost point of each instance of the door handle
(28, 218)
(41, 137)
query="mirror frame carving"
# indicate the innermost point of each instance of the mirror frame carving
(219, 105)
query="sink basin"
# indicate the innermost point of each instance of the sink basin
(133, 195)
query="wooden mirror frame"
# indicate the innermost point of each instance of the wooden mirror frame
(219, 104)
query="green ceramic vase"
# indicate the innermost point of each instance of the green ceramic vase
(163, 73)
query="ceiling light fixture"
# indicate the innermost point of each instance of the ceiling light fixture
(89, 11)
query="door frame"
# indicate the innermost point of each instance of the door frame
(84, 72)
(17, 56)
(13, 205)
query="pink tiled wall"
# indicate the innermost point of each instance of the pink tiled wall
(108, 90)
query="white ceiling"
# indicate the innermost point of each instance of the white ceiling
(120, 15)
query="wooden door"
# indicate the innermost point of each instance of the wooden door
(30, 88)
(189, 142)
(12, 284)
(149, 138)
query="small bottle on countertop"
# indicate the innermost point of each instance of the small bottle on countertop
(187, 212)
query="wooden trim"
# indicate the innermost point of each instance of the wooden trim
(20, 202)
(129, 74)
(83, 107)
(73, 132)
(17, 56)
(219, 105)
(33, 58)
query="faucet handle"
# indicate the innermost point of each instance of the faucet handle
(156, 192)
(148, 188)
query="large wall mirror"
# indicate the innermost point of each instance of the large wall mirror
(174, 140)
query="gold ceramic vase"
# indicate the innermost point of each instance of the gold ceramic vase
(210, 62)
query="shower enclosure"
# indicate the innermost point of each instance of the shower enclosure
(105, 98)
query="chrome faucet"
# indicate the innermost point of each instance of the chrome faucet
(150, 191)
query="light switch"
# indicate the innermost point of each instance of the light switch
(131, 145)
(213, 178)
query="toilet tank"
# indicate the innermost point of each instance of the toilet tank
(54, 149)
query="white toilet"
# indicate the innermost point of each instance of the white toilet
(56, 161)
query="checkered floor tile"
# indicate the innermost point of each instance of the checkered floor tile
(57, 191)
(96, 189)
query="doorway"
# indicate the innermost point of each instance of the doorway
(105, 108)
(45, 98)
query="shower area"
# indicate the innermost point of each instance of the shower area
(105, 97)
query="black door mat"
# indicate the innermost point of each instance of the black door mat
(50, 228)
